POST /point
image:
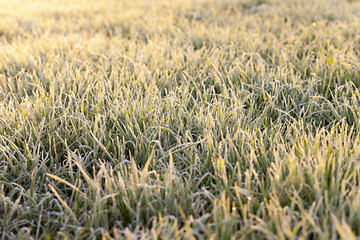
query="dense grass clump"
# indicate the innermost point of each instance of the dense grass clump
(207, 119)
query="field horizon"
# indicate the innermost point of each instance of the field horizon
(207, 119)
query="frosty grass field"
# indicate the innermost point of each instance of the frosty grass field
(205, 119)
